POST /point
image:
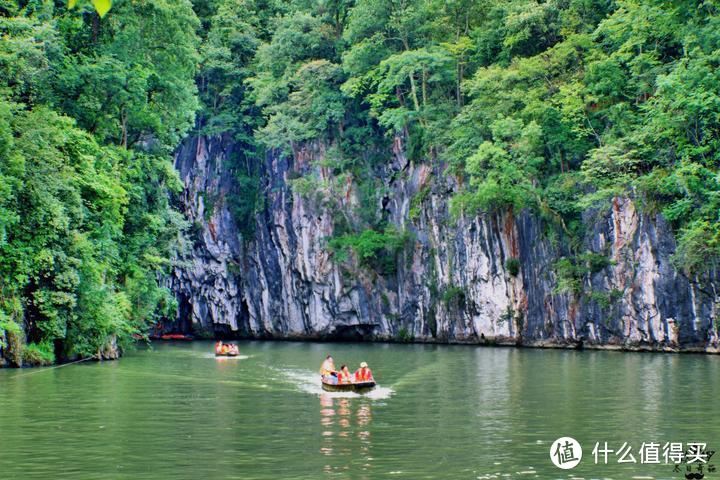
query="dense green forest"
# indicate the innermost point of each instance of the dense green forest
(555, 106)
(90, 112)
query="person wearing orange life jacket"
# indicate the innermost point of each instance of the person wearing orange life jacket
(363, 374)
(218, 347)
(344, 375)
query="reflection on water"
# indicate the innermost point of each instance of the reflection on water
(346, 437)
(439, 412)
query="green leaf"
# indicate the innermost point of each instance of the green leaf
(102, 6)
(71, 3)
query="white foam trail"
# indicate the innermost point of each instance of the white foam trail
(309, 382)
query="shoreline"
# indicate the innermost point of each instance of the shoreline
(499, 343)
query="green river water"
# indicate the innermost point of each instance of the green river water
(441, 412)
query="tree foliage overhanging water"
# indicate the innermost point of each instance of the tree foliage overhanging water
(553, 106)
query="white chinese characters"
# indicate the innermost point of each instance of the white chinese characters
(652, 453)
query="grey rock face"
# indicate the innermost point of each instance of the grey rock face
(475, 279)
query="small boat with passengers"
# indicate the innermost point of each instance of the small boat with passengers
(226, 349)
(342, 380)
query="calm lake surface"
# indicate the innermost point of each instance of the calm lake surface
(443, 412)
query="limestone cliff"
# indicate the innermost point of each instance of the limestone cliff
(477, 279)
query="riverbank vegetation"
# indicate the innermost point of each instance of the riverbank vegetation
(556, 106)
(90, 111)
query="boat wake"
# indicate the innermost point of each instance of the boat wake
(236, 357)
(309, 382)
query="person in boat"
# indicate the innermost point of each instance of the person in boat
(327, 370)
(234, 350)
(344, 375)
(218, 347)
(363, 374)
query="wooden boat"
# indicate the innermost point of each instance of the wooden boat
(360, 387)
(227, 354)
(175, 336)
